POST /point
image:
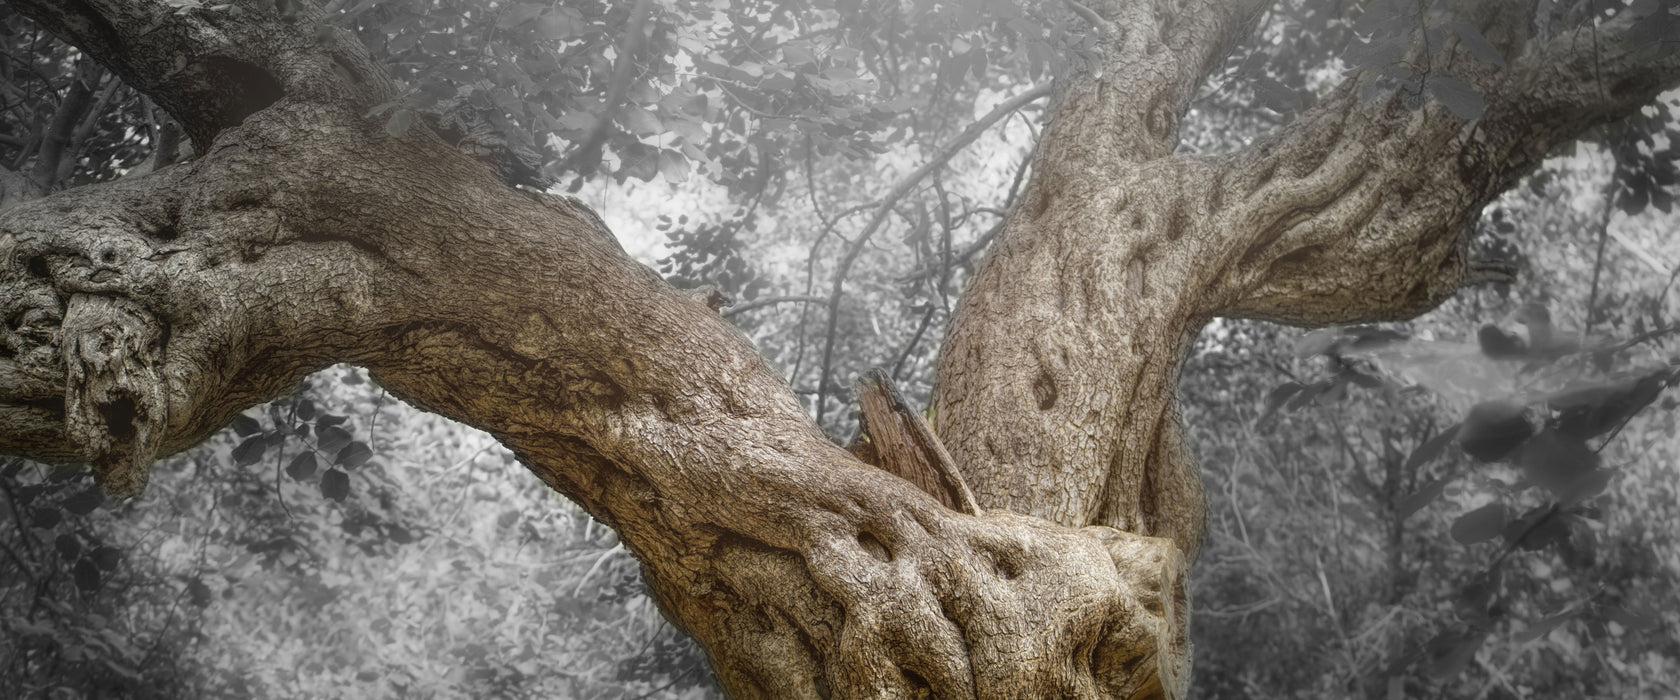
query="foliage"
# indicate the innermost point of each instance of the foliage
(1411, 510)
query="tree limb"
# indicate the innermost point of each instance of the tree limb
(209, 67)
(1357, 185)
(156, 308)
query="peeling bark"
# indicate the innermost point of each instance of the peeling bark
(142, 315)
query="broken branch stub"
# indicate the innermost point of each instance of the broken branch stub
(898, 439)
(116, 406)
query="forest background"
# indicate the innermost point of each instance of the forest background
(339, 544)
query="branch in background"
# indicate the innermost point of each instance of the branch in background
(15, 187)
(1598, 259)
(84, 130)
(771, 301)
(57, 140)
(884, 208)
(915, 339)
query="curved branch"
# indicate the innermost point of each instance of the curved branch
(211, 73)
(1356, 185)
(158, 307)
(884, 208)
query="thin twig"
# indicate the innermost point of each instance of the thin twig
(1598, 262)
(772, 301)
(899, 191)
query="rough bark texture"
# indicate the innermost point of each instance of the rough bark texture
(142, 315)
(1080, 318)
(896, 438)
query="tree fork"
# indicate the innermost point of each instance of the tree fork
(306, 235)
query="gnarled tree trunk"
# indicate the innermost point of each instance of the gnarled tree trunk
(144, 314)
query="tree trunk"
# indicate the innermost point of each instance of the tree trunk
(145, 313)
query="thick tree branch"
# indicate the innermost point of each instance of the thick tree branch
(213, 65)
(1361, 211)
(1150, 59)
(1118, 253)
(142, 314)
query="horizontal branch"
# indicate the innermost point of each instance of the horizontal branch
(1361, 210)
(209, 72)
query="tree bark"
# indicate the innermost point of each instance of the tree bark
(145, 313)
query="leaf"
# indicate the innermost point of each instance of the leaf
(798, 53)
(305, 409)
(639, 161)
(329, 420)
(198, 593)
(331, 439)
(246, 426)
(335, 484)
(1542, 628)
(642, 122)
(1361, 379)
(673, 166)
(1481, 524)
(46, 518)
(399, 534)
(354, 455)
(86, 576)
(1540, 526)
(107, 557)
(1274, 95)
(1588, 411)
(1493, 430)
(1585, 486)
(84, 502)
(302, 466)
(1554, 461)
(1430, 449)
(1451, 652)
(1424, 496)
(1381, 51)
(1308, 394)
(250, 451)
(1317, 342)
(1459, 97)
(1279, 394)
(68, 546)
(1477, 44)
(396, 126)
(1498, 344)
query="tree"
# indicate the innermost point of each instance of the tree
(322, 220)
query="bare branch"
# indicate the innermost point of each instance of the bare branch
(60, 132)
(884, 208)
(771, 301)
